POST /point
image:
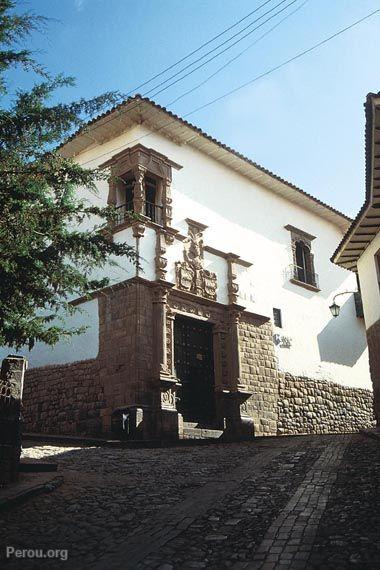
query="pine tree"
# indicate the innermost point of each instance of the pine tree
(46, 259)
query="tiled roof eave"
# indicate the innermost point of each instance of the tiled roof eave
(220, 151)
(368, 218)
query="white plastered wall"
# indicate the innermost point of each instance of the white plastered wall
(369, 282)
(248, 220)
(69, 349)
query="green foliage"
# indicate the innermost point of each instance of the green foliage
(46, 257)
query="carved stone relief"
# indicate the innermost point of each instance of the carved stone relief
(190, 273)
(168, 399)
(138, 229)
(170, 340)
(233, 287)
(140, 161)
(191, 308)
(160, 261)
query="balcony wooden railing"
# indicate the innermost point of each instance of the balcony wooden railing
(152, 211)
(122, 212)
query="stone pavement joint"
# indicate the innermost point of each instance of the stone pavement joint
(169, 525)
(289, 540)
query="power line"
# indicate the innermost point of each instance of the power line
(192, 71)
(198, 49)
(284, 63)
(238, 55)
(253, 80)
(217, 47)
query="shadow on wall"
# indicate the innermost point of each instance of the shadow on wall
(335, 341)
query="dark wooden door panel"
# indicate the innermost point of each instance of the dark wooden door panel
(193, 353)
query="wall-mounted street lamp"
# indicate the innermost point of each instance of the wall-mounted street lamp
(334, 308)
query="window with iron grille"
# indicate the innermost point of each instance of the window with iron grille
(302, 270)
(277, 318)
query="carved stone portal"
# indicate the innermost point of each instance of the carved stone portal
(190, 273)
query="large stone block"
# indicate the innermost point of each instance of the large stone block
(344, 410)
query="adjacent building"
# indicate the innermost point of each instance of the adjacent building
(359, 250)
(224, 327)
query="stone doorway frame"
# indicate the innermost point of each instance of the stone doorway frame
(230, 394)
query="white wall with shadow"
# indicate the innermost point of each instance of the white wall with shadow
(336, 342)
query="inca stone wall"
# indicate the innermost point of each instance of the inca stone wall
(316, 406)
(259, 373)
(373, 338)
(64, 399)
(79, 398)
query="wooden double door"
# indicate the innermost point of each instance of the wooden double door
(194, 364)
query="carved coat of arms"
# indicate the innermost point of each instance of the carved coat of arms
(190, 273)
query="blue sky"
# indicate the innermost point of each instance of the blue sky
(304, 122)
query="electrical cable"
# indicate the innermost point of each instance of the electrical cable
(192, 71)
(253, 80)
(198, 49)
(238, 55)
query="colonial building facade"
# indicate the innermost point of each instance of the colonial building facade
(359, 251)
(223, 328)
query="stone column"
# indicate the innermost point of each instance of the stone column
(239, 424)
(11, 387)
(235, 362)
(168, 420)
(138, 230)
(233, 287)
(167, 202)
(139, 190)
(112, 198)
(159, 315)
(170, 317)
(222, 390)
(160, 260)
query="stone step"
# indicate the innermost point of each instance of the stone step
(36, 466)
(190, 432)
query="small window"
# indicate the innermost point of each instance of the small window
(304, 270)
(277, 318)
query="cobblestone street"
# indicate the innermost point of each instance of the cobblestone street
(302, 502)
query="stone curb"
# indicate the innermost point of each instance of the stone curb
(118, 443)
(15, 494)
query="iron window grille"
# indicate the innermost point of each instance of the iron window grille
(304, 275)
